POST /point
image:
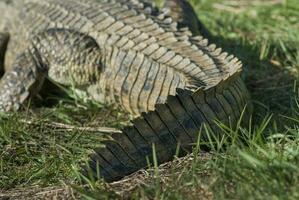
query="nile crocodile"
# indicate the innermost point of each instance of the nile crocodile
(127, 53)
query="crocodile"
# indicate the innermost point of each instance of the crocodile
(152, 64)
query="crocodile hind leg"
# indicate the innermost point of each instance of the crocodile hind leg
(4, 38)
(66, 57)
(182, 12)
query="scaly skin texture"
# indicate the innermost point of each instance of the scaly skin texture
(182, 12)
(122, 52)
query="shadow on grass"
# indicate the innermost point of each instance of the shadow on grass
(271, 87)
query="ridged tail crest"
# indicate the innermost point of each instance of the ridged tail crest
(172, 127)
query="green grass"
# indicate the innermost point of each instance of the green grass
(260, 161)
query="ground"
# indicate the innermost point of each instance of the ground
(261, 161)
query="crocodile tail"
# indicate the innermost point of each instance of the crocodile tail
(176, 123)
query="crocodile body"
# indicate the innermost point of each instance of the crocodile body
(123, 52)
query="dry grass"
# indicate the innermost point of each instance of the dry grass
(123, 188)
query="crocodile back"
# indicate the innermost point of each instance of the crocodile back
(129, 29)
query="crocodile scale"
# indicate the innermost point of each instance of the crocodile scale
(127, 53)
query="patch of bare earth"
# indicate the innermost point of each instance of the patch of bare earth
(125, 187)
(36, 192)
(239, 6)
